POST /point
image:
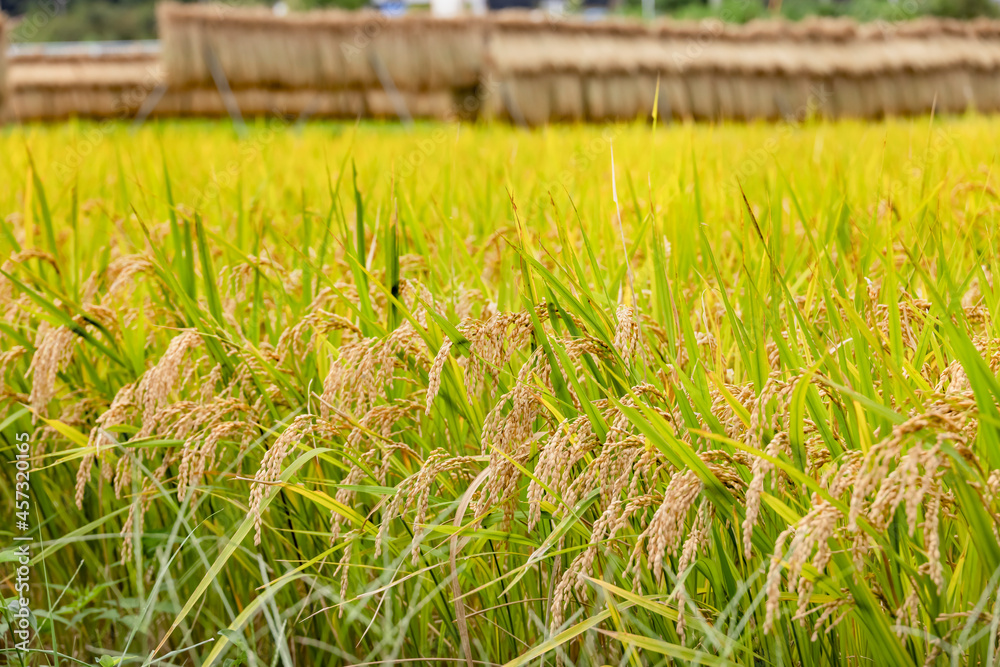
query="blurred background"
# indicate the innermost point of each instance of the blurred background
(90, 20)
(525, 62)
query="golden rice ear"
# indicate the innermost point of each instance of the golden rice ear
(159, 382)
(626, 339)
(271, 464)
(8, 358)
(54, 348)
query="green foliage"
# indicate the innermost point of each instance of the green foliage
(964, 9)
(731, 11)
(742, 11)
(88, 21)
(328, 4)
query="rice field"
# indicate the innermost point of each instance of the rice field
(472, 395)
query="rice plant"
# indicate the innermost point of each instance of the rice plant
(476, 395)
